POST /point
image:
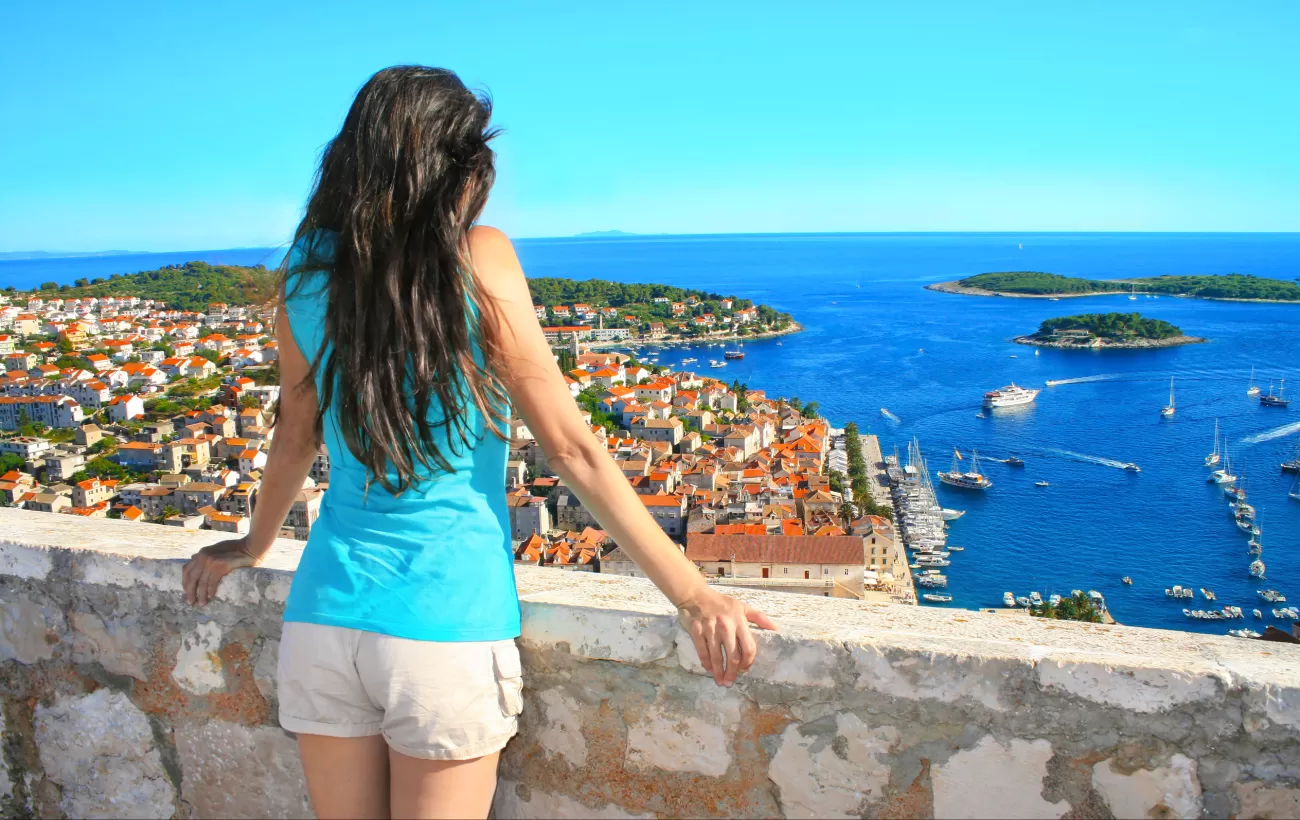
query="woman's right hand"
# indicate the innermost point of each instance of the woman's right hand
(720, 627)
(203, 572)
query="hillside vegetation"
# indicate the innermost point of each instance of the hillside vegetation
(1228, 286)
(637, 299)
(1113, 326)
(191, 286)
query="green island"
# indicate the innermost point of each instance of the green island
(1232, 286)
(653, 312)
(1107, 330)
(191, 286)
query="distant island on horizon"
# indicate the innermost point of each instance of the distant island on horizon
(606, 233)
(25, 255)
(1233, 287)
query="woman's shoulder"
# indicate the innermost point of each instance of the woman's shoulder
(493, 256)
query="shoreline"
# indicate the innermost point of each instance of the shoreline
(702, 341)
(956, 287)
(1140, 344)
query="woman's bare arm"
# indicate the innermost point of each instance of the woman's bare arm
(292, 452)
(718, 623)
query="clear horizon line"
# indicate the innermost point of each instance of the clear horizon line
(16, 256)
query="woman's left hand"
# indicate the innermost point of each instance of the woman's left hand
(203, 572)
(720, 627)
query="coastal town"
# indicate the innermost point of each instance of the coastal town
(123, 407)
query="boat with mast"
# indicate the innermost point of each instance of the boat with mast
(1275, 399)
(1213, 458)
(1253, 390)
(1224, 474)
(1133, 294)
(972, 479)
(1168, 409)
(1293, 464)
(1294, 495)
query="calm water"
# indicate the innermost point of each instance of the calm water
(867, 321)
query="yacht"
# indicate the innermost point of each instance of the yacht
(1010, 396)
(1224, 474)
(1253, 390)
(1132, 468)
(971, 480)
(1133, 296)
(1022, 600)
(1035, 598)
(1042, 484)
(716, 363)
(1168, 409)
(1014, 461)
(1256, 569)
(689, 361)
(1257, 613)
(1254, 547)
(951, 515)
(956, 549)
(1213, 458)
(1209, 595)
(1008, 599)
(1275, 399)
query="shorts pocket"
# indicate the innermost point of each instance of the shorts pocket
(510, 677)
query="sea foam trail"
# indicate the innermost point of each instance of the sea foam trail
(1105, 462)
(1105, 377)
(1269, 435)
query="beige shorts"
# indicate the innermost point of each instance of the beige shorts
(429, 699)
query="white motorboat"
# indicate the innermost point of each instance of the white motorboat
(1008, 599)
(1256, 568)
(1042, 484)
(1035, 598)
(1010, 396)
(951, 515)
(936, 598)
(1054, 599)
(1022, 600)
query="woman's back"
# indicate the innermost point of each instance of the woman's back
(431, 563)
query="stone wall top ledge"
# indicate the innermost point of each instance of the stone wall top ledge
(627, 619)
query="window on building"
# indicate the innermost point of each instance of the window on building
(846, 571)
(785, 570)
(826, 570)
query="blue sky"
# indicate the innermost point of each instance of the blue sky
(169, 126)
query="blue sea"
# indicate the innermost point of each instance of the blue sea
(874, 338)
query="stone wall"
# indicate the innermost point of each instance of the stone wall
(118, 700)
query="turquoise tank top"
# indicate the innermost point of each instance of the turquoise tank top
(435, 563)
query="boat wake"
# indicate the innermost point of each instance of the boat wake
(1105, 462)
(1105, 377)
(890, 416)
(1269, 435)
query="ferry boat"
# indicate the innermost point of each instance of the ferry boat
(1213, 458)
(1008, 599)
(1275, 399)
(972, 480)
(1253, 390)
(1168, 409)
(1010, 396)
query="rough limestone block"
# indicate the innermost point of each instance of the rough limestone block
(509, 805)
(600, 634)
(32, 563)
(232, 770)
(265, 670)
(29, 629)
(99, 750)
(6, 785)
(198, 666)
(1258, 800)
(120, 646)
(561, 727)
(1133, 687)
(1171, 791)
(677, 736)
(790, 660)
(832, 767)
(945, 675)
(995, 780)
(121, 571)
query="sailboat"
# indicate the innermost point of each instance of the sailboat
(1133, 295)
(972, 480)
(1224, 474)
(1168, 409)
(1253, 390)
(1213, 458)
(1275, 399)
(1295, 490)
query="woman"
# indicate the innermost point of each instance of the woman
(407, 339)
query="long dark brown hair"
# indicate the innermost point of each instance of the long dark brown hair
(397, 191)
